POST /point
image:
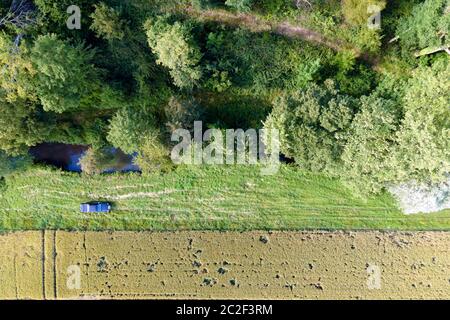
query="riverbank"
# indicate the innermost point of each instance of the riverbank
(200, 198)
(224, 265)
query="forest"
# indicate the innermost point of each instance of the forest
(358, 95)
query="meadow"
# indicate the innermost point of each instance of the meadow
(200, 198)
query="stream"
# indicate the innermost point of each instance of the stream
(67, 156)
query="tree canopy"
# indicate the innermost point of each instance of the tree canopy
(312, 124)
(176, 50)
(427, 26)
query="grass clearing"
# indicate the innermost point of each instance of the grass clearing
(200, 198)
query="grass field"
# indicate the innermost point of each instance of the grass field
(202, 198)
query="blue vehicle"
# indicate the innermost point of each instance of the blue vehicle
(95, 207)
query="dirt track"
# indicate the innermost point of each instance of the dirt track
(280, 265)
(256, 24)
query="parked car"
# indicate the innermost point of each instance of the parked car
(95, 207)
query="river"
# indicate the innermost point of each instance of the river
(67, 157)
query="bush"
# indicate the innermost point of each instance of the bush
(356, 11)
(95, 161)
(201, 4)
(128, 128)
(153, 156)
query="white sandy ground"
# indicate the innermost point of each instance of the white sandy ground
(416, 198)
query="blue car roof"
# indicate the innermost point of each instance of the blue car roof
(95, 207)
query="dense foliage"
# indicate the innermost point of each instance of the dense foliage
(427, 26)
(369, 106)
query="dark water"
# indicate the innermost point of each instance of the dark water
(67, 156)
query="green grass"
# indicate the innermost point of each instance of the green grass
(200, 198)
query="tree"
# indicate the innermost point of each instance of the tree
(95, 161)
(56, 11)
(17, 71)
(175, 49)
(106, 22)
(366, 158)
(20, 14)
(428, 26)
(312, 123)
(402, 137)
(20, 127)
(129, 127)
(66, 77)
(423, 151)
(153, 156)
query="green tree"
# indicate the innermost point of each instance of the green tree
(20, 127)
(366, 158)
(153, 156)
(423, 151)
(65, 74)
(106, 22)
(95, 161)
(427, 26)
(129, 127)
(312, 125)
(402, 132)
(16, 70)
(176, 50)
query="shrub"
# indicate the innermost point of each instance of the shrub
(153, 156)
(95, 161)
(9, 164)
(128, 128)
